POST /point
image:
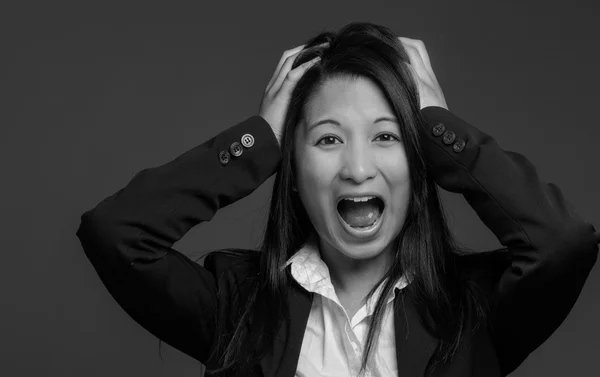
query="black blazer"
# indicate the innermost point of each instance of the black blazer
(534, 280)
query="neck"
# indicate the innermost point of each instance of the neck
(355, 277)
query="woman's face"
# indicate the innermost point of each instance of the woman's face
(348, 146)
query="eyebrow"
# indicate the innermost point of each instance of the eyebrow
(324, 121)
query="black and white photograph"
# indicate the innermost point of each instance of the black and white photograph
(301, 189)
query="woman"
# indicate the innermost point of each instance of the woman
(357, 272)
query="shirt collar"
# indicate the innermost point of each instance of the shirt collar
(311, 272)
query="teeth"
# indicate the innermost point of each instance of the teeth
(360, 199)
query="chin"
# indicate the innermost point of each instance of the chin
(363, 253)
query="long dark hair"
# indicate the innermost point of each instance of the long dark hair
(425, 249)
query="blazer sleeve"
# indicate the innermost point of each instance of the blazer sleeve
(551, 250)
(128, 236)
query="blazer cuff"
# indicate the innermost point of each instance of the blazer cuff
(249, 140)
(453, 136)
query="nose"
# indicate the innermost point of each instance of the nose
(358, 163)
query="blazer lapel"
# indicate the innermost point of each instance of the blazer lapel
(283, 360)
(414, 345)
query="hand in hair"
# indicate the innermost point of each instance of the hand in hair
(277, 95)
(430, 92)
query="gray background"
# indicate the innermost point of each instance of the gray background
(94, 94)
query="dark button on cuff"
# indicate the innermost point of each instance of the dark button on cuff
(224, 157)
(458, 146)
(448, 137)
(248, 140)
(438, 129)
(236, 149)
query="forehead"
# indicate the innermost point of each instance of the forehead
(348, 97)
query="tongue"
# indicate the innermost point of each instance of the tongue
(359, 214)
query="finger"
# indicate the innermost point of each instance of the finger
(280, 68)
(283, 71)
(286, 68)
(284, 56)
(294, 76)
(419, 46)
(416, 62)
(425, 58)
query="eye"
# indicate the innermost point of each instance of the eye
(327, 140)
(388, 137)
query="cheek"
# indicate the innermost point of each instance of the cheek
(315, 177)
(397, 175)
(401, 177)
(315, 173)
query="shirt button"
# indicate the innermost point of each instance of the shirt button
(248, 140)
(448, 137)
(224, 157)
(458, 146)
(438, 129)
(236, 149)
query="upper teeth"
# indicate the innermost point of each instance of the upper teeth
(360, 199)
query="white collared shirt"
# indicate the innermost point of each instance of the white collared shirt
(333, 343)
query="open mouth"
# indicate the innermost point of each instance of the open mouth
(361, 212)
